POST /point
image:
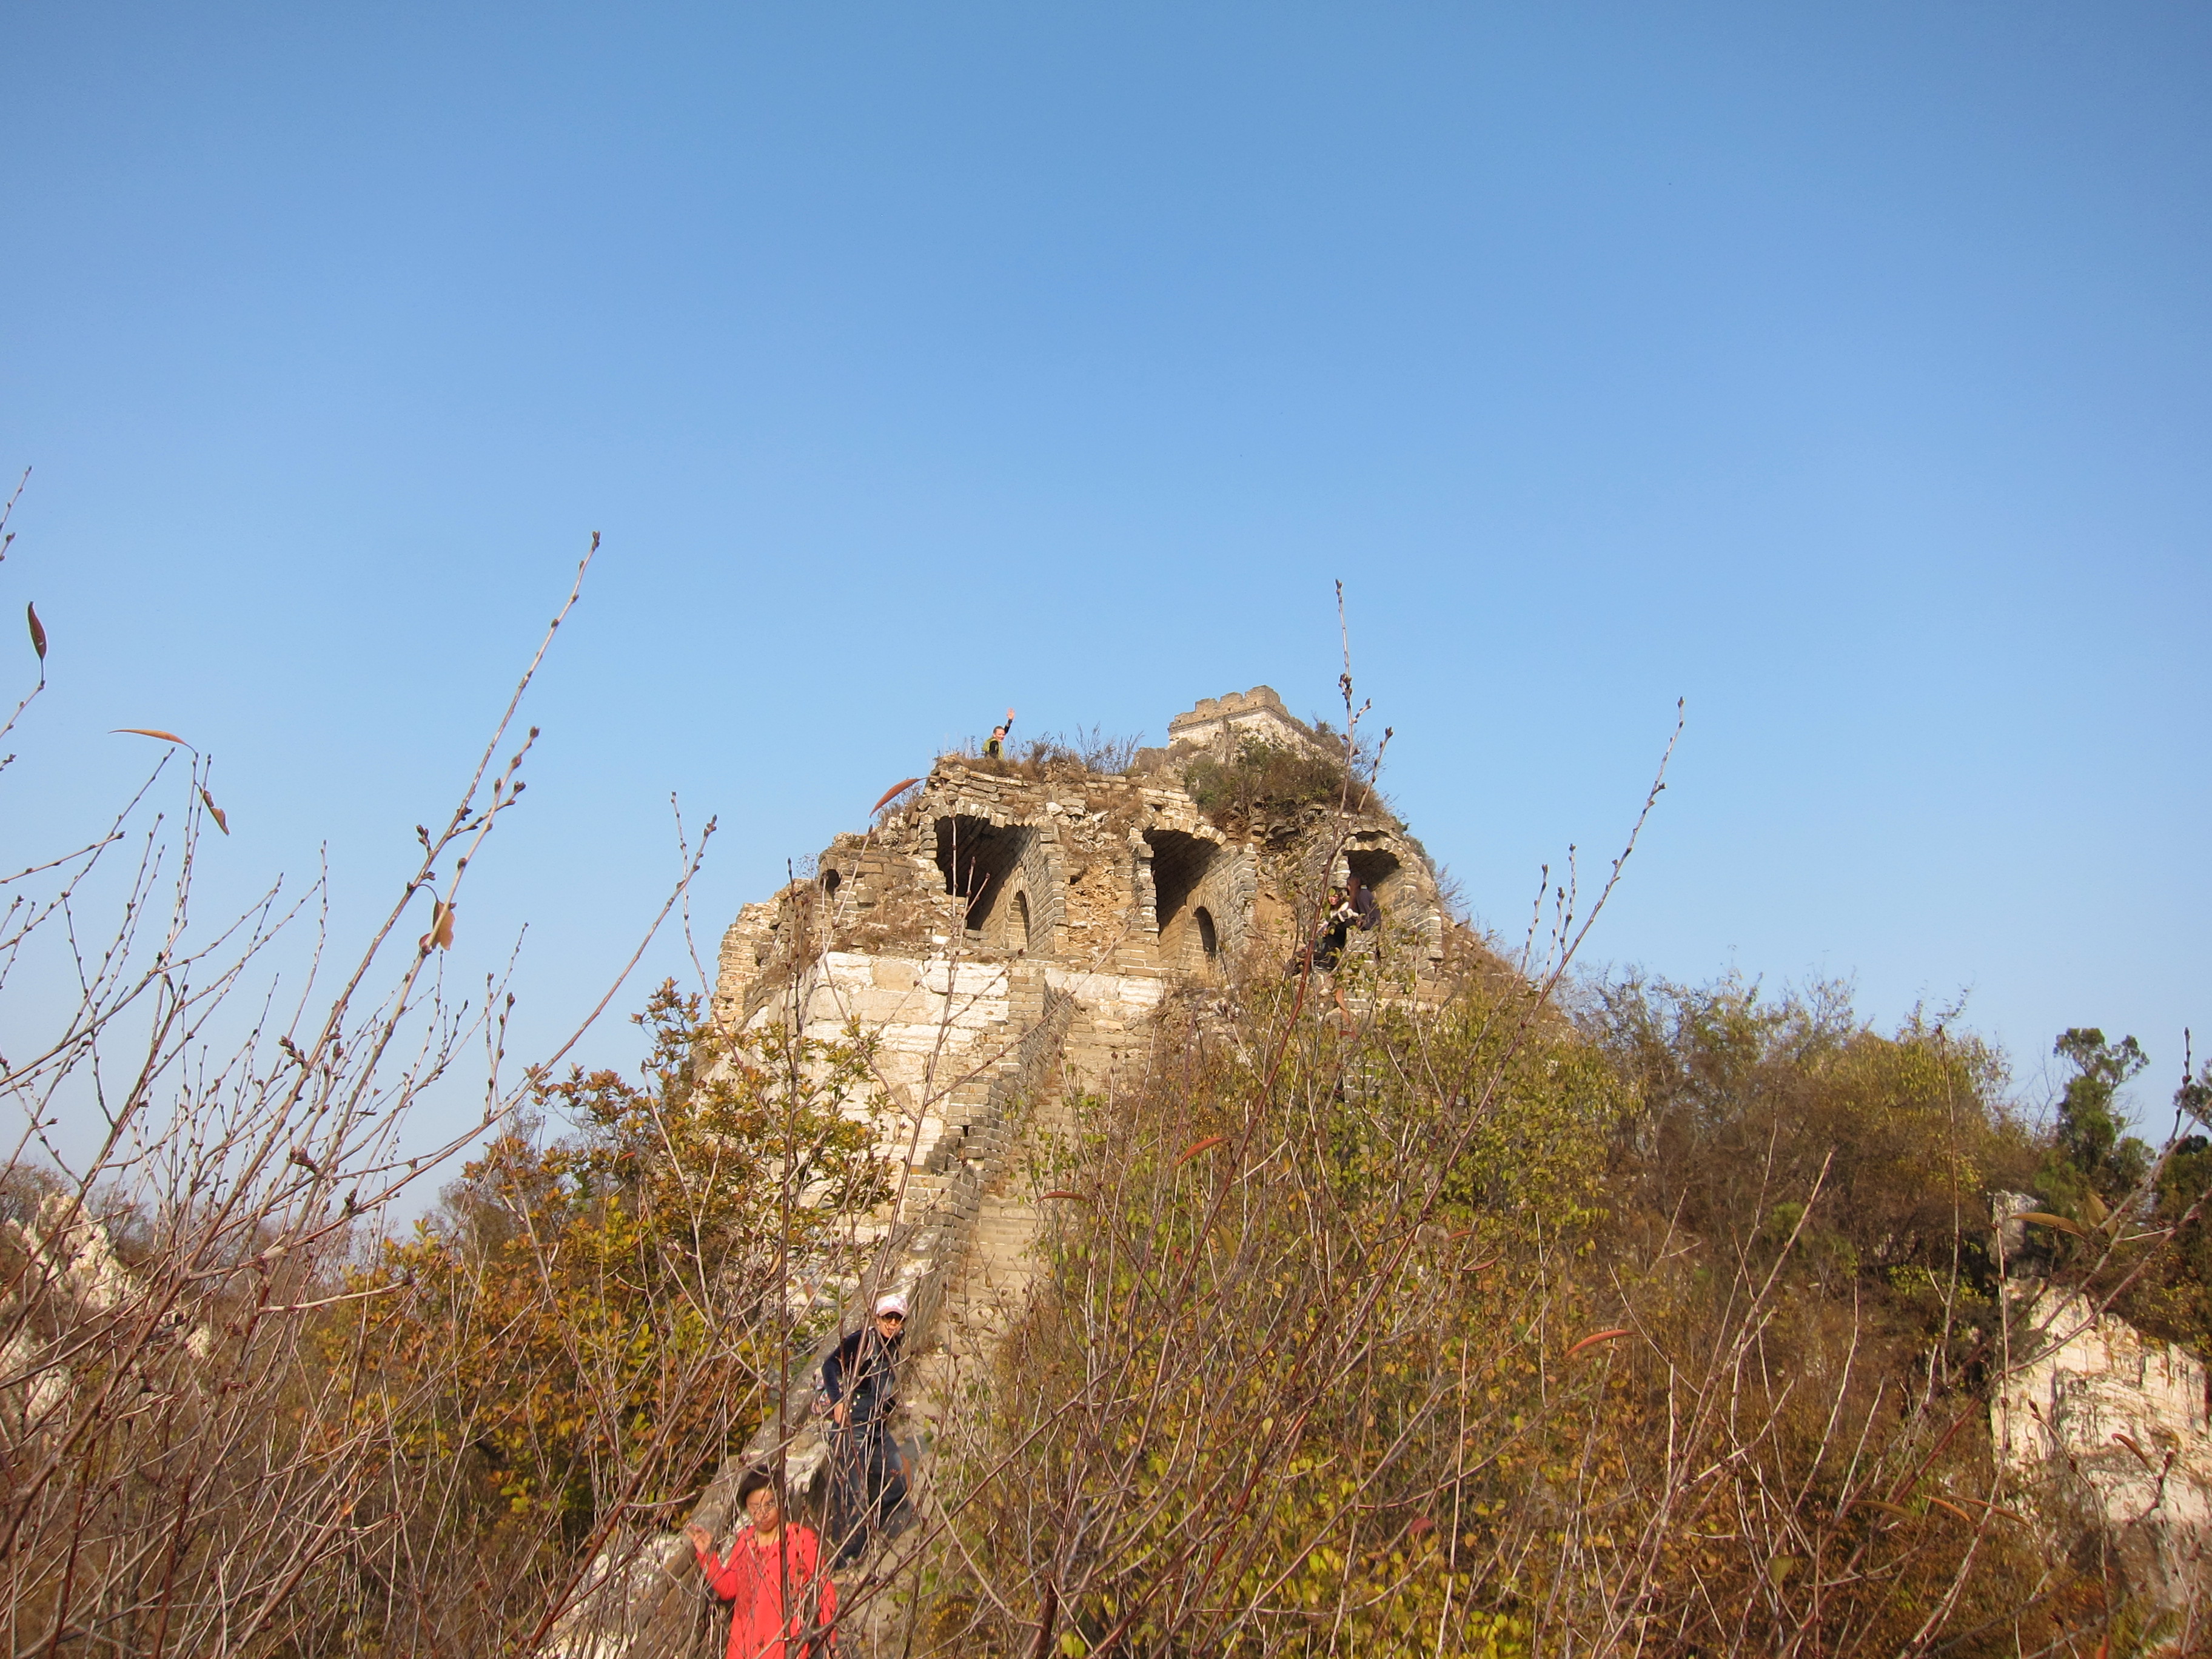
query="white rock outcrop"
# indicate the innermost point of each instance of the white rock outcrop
(2095, 1422)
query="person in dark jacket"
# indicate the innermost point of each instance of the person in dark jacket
(859, 1380)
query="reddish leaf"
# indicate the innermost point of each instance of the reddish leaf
(215, 811)
(1204, 1145)
(151, 731)
(1078, 1197)
(2044, 1219)
(1593, 1339)
(885, 799)
(441, 928)
(38, 631)
(1897, 1510)
(1995, 1509)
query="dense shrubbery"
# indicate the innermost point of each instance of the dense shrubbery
(589, 1324)
(1482, 1332)
(1263, 774)
(1755, 1118)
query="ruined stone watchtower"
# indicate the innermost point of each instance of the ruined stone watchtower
(1006, 930)
(997, 882)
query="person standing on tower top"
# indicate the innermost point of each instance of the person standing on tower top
(996, 748)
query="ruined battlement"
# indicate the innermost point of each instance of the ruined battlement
(990, 862)
(994, 887)
(1221, 722)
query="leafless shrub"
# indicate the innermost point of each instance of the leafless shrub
(1373, 1321)
(240, 1411)
(1091, 751)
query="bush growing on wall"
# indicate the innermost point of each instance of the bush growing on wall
(1478, 1332)
(1263, 774)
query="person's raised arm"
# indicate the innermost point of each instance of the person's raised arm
(721, 1579)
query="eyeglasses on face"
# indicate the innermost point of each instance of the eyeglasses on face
(894, 1318)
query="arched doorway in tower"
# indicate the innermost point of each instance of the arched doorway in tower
(1180, 863)
(979, 859)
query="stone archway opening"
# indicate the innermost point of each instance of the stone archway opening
(1376, 868)
(1022, 919)
(977, 858)
(1180, 862)
(1209, 940)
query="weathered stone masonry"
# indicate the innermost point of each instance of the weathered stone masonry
(942, 929)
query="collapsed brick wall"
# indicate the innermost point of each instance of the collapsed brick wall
(1112, 872)
(995, 891)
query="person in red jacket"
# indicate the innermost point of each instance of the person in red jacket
(782, 1605)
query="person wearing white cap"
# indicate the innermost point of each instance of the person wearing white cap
(859, 1381)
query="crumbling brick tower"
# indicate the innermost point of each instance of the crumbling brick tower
(995, 885)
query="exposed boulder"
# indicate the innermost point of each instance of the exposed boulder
(2105, 1433)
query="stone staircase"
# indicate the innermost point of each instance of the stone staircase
(985, 1287)
(989, 1279)
(998, 1267)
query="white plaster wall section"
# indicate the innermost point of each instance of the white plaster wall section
(1114, 1002)
(938, 1023)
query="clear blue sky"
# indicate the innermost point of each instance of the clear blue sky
(1841, 370)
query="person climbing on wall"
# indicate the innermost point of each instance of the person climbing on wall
(996, 748)
(1362, 912)
(1336, 923)
(859, 1381)
(1366, 910)
(782, 1607)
